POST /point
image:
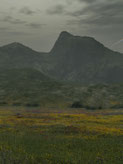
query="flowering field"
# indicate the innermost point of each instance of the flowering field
(47, 136)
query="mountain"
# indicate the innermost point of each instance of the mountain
(83, 59)
(72, 59)
(16, 55)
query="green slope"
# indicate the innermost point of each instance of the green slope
(32, 88)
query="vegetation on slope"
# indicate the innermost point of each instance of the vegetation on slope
(29, 87)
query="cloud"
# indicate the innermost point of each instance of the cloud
(10, 19)
(36, 25)
(3, 29)
(27, 11)
(88, 1)
(101, 13)
(58, 9)
(17, 33)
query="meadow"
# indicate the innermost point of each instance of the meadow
(60, 136)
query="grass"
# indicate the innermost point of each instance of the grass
(45, 136)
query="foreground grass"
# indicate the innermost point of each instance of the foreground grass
(68, 137)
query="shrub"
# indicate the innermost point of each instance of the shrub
(32, 105)
(77, 104)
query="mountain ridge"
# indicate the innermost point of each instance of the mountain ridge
(72, 58)
(63, 34)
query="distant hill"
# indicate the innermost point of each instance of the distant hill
(72, 58)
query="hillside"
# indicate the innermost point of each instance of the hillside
(32, 88)
(25, 86)
(29, 87)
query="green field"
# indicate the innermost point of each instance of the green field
(60, 136)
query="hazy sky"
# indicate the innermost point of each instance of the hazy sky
(37, 23)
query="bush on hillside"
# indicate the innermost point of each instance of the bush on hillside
(77, 104)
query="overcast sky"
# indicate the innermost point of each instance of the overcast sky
(37, 23)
